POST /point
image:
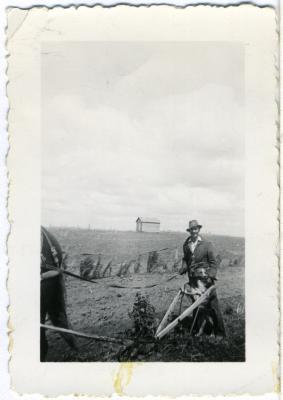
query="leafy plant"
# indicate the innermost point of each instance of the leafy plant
(152, 261)
(143, 317)
(86, 267)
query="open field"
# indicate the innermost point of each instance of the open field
(121, 246)
(94, 308)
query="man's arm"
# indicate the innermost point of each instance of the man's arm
(212, 271)
(184, 268)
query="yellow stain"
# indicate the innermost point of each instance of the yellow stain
(123, 377)
(275, 377)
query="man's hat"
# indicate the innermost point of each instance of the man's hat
(193, 224)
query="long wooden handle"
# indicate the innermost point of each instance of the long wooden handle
(186, 313)
(170, 309)
(86, 335)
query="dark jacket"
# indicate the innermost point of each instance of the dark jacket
(203, 254)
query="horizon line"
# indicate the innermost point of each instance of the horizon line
(134, 231)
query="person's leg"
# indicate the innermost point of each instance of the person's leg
(57, 311)
(43, 339)
(219, 328)
(204, 322)
(43, 345)
(59, 318)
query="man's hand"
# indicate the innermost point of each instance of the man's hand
(48, 274)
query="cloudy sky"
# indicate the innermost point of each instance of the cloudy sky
(143, 129)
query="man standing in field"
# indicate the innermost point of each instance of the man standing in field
(200, 263)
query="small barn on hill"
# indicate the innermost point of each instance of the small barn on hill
(147, 224)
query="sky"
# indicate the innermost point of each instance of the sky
(151, 129)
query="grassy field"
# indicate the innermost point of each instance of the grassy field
(105, 311)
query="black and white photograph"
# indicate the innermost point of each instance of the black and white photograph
(143, 240)
(143, 200)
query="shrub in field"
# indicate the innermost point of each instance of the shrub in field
(107, 270)
(152, 261)
(161, 265)
(121, 269)
(124, 268)
(143, 317)
(127, 268)
(86, 267)
(97, 269)
(137, 265)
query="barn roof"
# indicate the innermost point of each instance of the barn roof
(149, 220)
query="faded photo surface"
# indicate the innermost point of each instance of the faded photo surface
(138, 138)
(152, 200)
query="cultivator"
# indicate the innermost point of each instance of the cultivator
(198, 299)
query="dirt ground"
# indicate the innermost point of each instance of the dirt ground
(94, 308)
